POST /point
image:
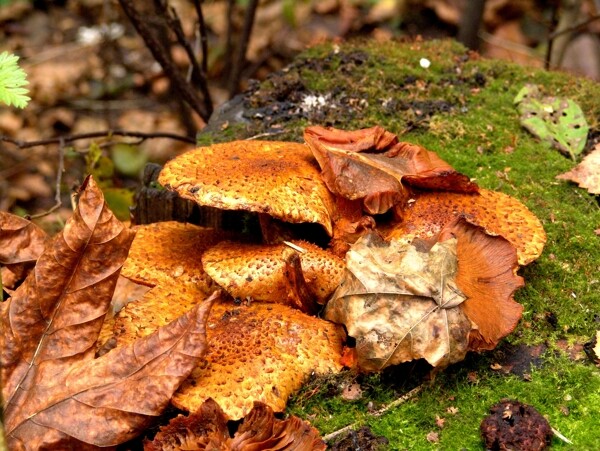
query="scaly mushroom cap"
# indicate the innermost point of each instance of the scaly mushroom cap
(166, 252)
(280, 179)
(497, 213)
(487, 267)
(260, 352)
(258, 271)
(256, 352)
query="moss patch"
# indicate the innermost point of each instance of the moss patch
(462, 108)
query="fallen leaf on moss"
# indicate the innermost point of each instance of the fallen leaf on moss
(372, 165)
(587, 173)
(207, 429)
(556, 120)
(56, 394)
(400, 303)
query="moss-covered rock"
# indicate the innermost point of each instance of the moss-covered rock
(460, 106)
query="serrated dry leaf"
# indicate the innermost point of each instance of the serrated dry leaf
(372, 165)
(400, 303)
(21, 243)
(56, 394)
(587, 173)
(206, 429)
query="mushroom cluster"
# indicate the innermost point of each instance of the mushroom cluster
(408, 241)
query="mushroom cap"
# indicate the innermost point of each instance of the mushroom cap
(497, 213)
(258, 271)
(280, 179)
(256, 352)
(259, 352)
(170, 251)
(487, 267)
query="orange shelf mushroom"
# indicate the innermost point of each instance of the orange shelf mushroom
(280, 179)
(497, 213)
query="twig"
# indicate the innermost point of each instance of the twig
(160, 54)
(99, 134)
(59, 172)
(395, 403)
(577, 27)
(240, 56)
(198, 75)
(203, 36)
(560, 436)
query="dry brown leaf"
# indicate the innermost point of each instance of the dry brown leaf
(431, 299)
(280, 179)
(372, 165)
(207, 429)
(400, 303)
(21, 244)
(587, 173)
(260, 271)
(56, 394)
(497, 213)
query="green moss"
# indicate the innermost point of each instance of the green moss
(462, 108)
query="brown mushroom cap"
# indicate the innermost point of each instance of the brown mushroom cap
(281, 179)
(258, 271)
(256, 352)
(487, 267)
(260, 352)
(166, 252)
(497, 213)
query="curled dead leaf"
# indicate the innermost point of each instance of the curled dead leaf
(207, 429)
(400, 303)
(372, 165)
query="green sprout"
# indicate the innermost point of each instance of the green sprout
(12, 80)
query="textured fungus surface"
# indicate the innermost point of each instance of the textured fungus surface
(259, 271)
(497, 213)
(280, 179)
(260, 352)
(257, 352)
(166, 252)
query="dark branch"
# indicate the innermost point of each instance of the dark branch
(240, 56)
(99, 134)
(160, 54)
(203, 36)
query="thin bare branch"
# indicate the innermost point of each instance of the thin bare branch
(98, 134)
(198, 77)
(240, 56)
(59, 173)
(203, 108)
(203, 36)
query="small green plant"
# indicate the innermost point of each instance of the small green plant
(12, 80)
